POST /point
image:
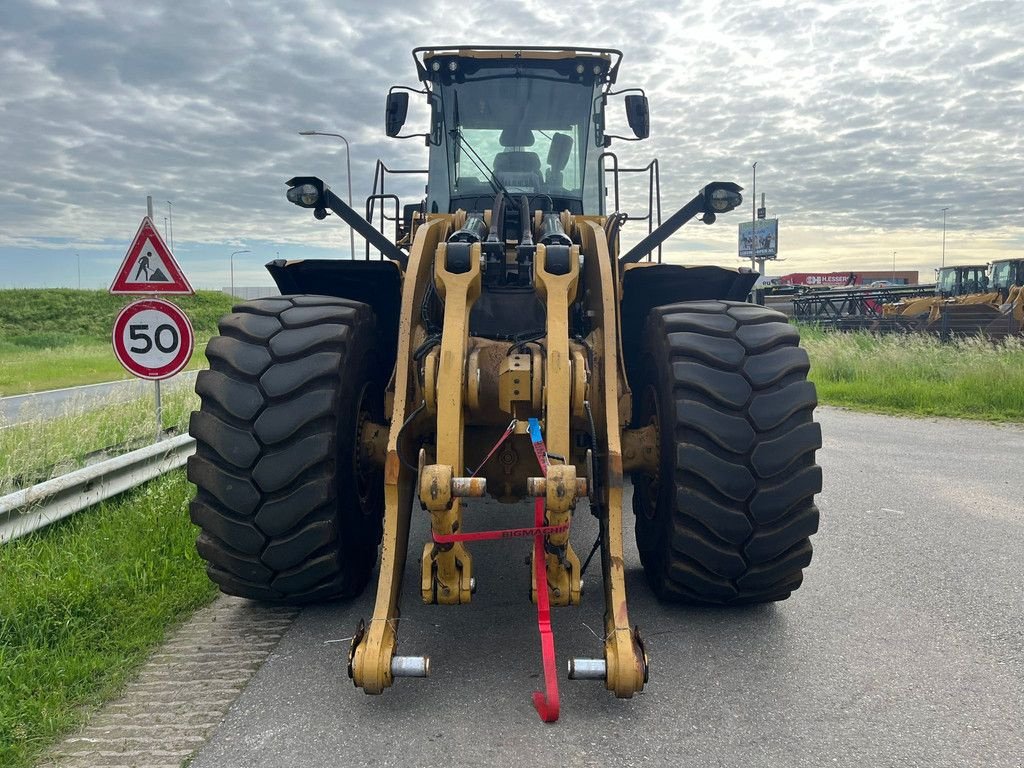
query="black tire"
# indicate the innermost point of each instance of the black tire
(729, 517)
(286, 514)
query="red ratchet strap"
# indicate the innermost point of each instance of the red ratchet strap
(546, 703)
(507, 533)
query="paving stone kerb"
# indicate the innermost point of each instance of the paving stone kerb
(182, 692)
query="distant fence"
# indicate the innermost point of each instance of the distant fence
(252, 292)
(852, 306)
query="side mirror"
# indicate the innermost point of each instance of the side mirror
(638, 115)
(395, 112)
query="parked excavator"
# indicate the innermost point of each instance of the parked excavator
(506, 343)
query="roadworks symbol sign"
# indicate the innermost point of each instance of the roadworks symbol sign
(149, 267)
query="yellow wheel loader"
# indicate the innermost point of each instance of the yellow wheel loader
(502, 343)
(969, 300)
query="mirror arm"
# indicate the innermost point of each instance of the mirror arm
(609, 136)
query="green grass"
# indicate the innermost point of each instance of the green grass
(37, 450)
(82, 604)
(61, 338)
(24, 369)
(918, 374)
(58, 315)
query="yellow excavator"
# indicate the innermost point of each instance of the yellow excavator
(505, 343)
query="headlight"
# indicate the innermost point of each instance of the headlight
(306, 195)
(723, 200)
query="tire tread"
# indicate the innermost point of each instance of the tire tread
(273, 440)
(735, 505)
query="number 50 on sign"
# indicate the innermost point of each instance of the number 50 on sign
(152, 339)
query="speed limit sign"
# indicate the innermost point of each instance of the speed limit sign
(152, 339)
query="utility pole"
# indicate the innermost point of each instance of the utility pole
(78, 259)
(894, 267)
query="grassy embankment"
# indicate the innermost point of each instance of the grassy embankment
(82, 604)
(918, 374)
(61, 337)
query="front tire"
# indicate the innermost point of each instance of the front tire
(729, 516)
(286, 511)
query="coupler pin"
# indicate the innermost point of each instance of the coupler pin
(410, 666)
(588, 669)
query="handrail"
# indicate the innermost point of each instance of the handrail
(652, 169)
(383, 214)
(380, 173)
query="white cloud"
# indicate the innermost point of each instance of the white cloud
(866, 118)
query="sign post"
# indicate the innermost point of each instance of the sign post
(152, 338)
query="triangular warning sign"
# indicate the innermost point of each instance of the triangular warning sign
(149, 267)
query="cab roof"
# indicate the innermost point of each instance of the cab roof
(426, 56)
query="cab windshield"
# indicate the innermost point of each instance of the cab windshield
(946, 283)
(519, 130)
(1002, 275)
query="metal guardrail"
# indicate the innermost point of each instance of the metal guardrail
(30, 509)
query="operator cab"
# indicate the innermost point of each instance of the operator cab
(961, 280)
(1007, 273)
(516, 122)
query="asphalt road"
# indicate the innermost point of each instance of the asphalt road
(905, 646)
(58, 402)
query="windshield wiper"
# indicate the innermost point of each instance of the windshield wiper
(474, 156)
(480, 163)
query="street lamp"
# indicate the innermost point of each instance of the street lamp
(233, 269)
(348, 173)
(170, 216)
(753, 218)
(944, 235)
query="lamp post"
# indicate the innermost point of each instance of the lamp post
(944, 235)
(753, 218)
(170, 218)
(233, 269)
(348, 174)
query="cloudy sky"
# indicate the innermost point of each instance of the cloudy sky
(865, 120)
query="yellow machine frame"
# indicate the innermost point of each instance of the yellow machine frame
(568, 388)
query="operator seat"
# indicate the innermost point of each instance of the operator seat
(516, 167)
